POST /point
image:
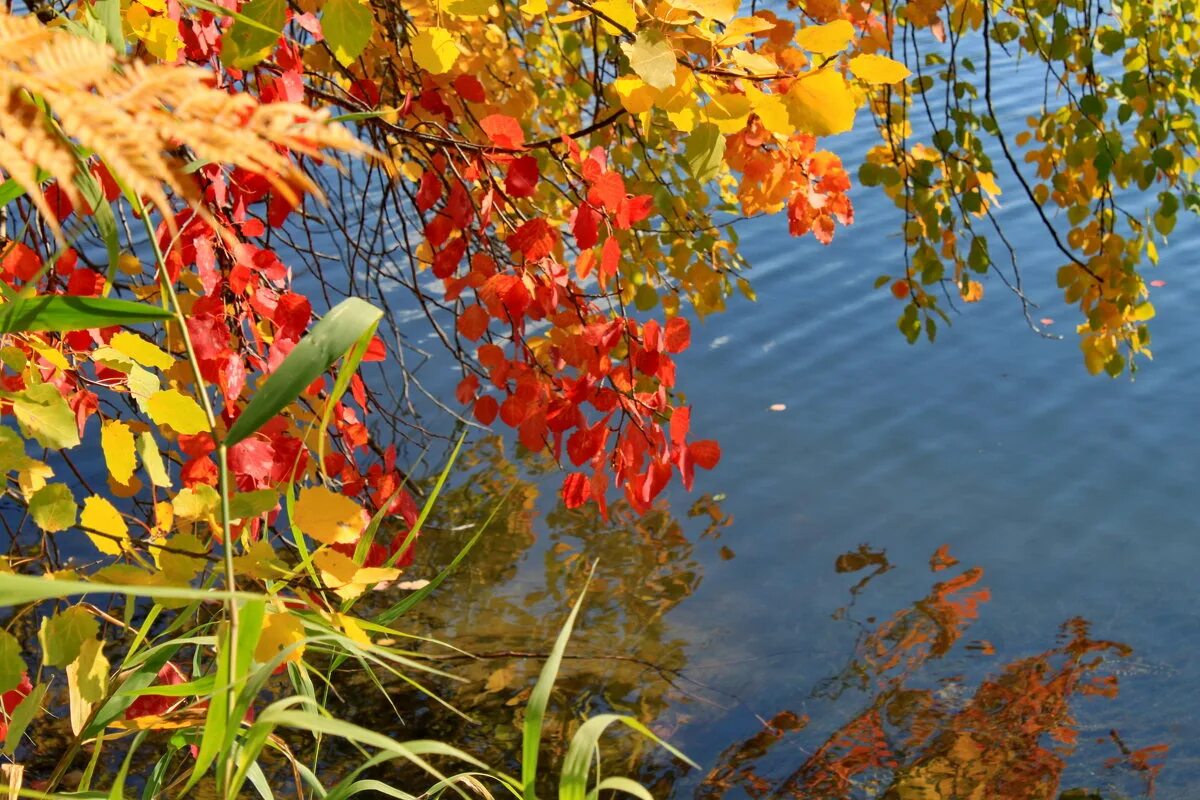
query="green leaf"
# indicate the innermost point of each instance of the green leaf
(254, 34)
(53, 508)
(44, 415)
(651, 58)
(328, 341)
(247, 505)
(92, 673)
(22, 715)
(577, 764)
(347, 25)
(63, 635)
(62, 313)
(12, 666)
(535, 710)
(704, 151)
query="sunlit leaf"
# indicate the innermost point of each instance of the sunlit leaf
(329, 517)
(117, 443)
(435, 50)
(651, 57)
(177, 411)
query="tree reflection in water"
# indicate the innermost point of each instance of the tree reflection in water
(911, 738)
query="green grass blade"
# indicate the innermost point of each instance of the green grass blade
(20, 589)
(626, 785)
(535, 711)
(64, 313)
(577, 764)
(328, 341)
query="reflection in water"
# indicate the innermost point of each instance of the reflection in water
(909, 731)
(1007, 739)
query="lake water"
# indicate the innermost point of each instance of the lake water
(1074, 495)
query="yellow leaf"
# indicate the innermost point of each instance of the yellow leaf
(878, 69)
(820, 103)
(728, 111)
(51, 355)
(435, 50)
(346, 578)
(197, 502)
(826, 39)
(720, 10)
(258, 560)
(621, 12)
(987, 182)
(635, 94)
(142, 385)
(280, 631)
(173, 559)
(102, 516)
(92, 672)
(161, 34)
(973, 292)
(141, 351)
(116, 440)
(753, 63)
(147, 448)
(469, 8)
(534, 8)
(328, 517)
(32, 477)
(771, 111)
(351, 627)
(175, 409)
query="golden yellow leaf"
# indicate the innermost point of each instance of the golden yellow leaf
(753, 63)
(635, 94)
(534, 8)
(770, 108)
(116, 440)
(435, 50)
(826, 39)
(878, 69)
(258, 560)
(101, 516)
(141, 351)
(197, 502)
(176, 410)
(328, 517)
(469, 8)
(987, 182)
(152, 460)
(620, 12)
(32, 477)
(728, 111)
(351, 627)
(280, 631)
(720, 10)
(346, 578)
(820, 103)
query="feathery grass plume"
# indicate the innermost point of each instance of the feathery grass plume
(62, 95)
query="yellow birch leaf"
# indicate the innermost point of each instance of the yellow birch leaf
(53, 508)
(534, 8)
(619, 11)
(197, 502)
(721, 10)
(351, 627)
(32, 477)
(258, 560)
(141, 351)
(987, 182)
(142, 385)
(825, 39)
(176, 410)
(116, 440)
(820, 103)
(771, 111)
(52, 356)
(345, 577)
(92, 671)
(635, 94)
(152, 460)
(328, 517)
(279, 632)
(728, 111)
(753, 63)
(101, 516)
(44, 415)
(469, 8)
(878, 69)
(652, 58)
(737, 31)
(435, 50)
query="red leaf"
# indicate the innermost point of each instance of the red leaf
(429, 191)
(706, 453)
(504, 131)
(678, 334)
(470, 89)
(610, 257)
(608, 191)
(20, 261)
(633, 210)
(473, 322)
(522, 177)
(576, 490)
(467, 388)
(586, 226)
(486, 409)
(376, 350)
